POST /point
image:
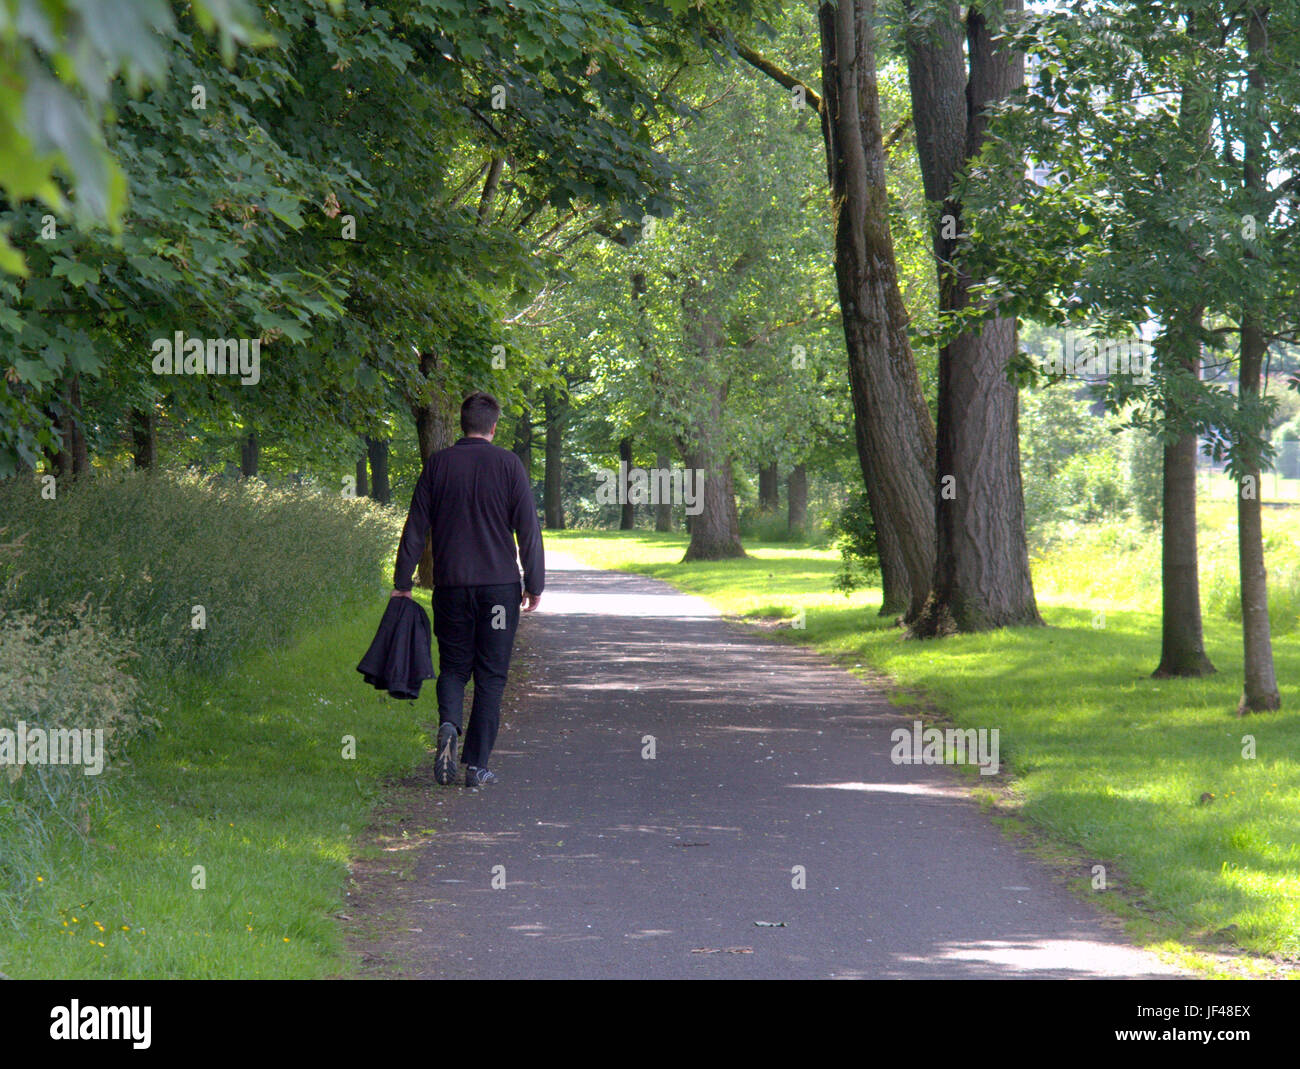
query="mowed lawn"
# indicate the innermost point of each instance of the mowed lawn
(1112, 764)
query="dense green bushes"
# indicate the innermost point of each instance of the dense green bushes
(1079, 467)
(101, 589)
(195, 569)
(854, 534)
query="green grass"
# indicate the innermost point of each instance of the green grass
(247, 779)
(1104, 759)
(1273, 487)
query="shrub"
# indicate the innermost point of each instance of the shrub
(1144, 472)
(854, 533)
(150, 548)
(1070, 461)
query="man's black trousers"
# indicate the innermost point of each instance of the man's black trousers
(475, 627)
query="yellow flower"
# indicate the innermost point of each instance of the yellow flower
(286, 938)
(40, 879)
(126, 927)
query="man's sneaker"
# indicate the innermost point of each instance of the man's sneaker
(444, 766)
(478, 777)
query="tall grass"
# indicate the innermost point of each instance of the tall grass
(1119, 562)
(196, 569)
(119, 588)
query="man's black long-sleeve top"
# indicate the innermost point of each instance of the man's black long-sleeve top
(473, 497)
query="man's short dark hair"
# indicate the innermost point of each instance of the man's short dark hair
(479, 413)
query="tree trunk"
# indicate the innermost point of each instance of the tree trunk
(1260, 691)
(72, 458)
(715, 531)
(894, 434)
(553, 487)
(144, 438)
(249, 455)
(797, 498)
(769, 488)
(436, 428)
(377, 452)
(981, 577)
(80, 451)
(523, 447)
(663, 510)
(1182, 644)
(895, 585)
(627, 515)
(363, 481)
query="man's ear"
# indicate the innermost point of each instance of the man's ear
(492, 433)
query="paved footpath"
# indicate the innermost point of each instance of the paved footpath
(766, 758)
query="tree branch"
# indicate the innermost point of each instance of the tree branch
(769, 68)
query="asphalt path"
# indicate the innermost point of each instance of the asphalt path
(769, 835)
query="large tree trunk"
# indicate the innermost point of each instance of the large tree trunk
(80, 450)
(377, 452)
(523, 446)
(1260, 691)
(250, 454)
(769, 488)
(553, 487)
(363, 478)
(981, 576)
(1182, 645)
(715, 531)
(436, 427)
(893, 430)
(144, 438)
(895, 586)
(627, 515)
(72, 457)
(663, 510)
(797, 499)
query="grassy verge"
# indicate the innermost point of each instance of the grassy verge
(1111, 764)
(247, 779)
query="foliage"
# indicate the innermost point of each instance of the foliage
(854, 534)
(61, 58)
(1070, 460)
(150, 549)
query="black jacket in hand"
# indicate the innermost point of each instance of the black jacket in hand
(473, 498)
(399, 659)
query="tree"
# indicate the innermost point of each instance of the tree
(981, 573)
(894, 432)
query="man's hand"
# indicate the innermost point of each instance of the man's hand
(400, 594)
(530, 601)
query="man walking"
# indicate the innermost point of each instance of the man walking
(475, 499)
